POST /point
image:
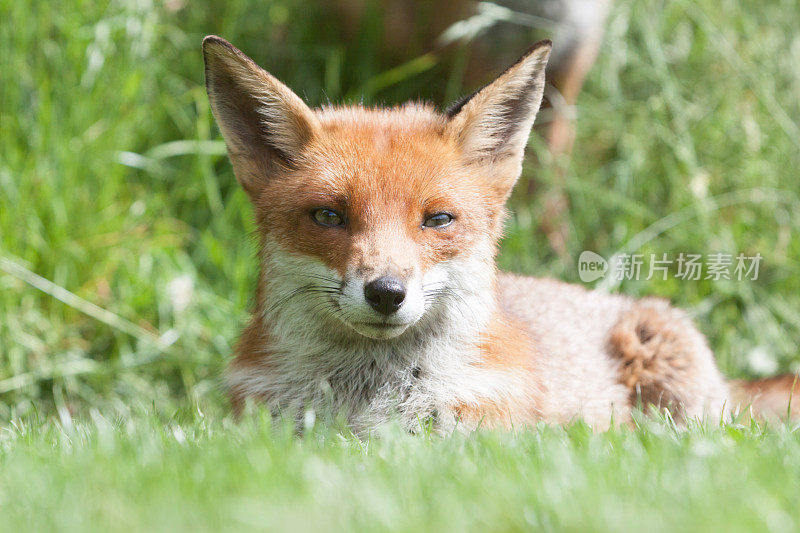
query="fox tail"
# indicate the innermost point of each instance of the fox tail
(773, 397)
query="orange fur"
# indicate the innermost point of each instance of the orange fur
(776, 397)
(659, 360)
(506, 347)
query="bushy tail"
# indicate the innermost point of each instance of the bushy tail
(775, 397)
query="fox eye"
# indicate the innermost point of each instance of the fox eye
(439, 220)
(327, 217)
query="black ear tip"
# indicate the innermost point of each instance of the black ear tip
(217, 50)
(545, 45)
(212, 41)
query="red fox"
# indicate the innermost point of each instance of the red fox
(378, 295)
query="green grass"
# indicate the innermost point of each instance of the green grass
(152, 474)
(114, 189)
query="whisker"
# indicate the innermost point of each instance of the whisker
(447, 291)
(325, 278)
(309, 288)
(286, 298)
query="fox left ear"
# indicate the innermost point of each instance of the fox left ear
(265, 124)
(494, 123)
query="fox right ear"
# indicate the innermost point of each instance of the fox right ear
(494, 123)
(263, 122)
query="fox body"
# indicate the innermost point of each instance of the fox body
(378, 294)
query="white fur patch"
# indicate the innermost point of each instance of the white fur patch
(317, 362)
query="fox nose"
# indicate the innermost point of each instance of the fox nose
(385, 294)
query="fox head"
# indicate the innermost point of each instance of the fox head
(375, 218)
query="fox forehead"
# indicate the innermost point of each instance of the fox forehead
(397, 152)
(380, 164)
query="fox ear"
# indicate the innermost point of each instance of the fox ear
(263, 122)
(494, 123)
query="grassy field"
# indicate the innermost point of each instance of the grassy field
(201, 474)
(126, 268)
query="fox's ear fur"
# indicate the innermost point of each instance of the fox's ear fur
(494, 122)
(263, 122)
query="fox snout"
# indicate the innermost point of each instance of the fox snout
(382, 306)
(385, 294)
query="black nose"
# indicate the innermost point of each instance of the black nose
(385, 294)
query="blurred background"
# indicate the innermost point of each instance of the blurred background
(126, 257)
